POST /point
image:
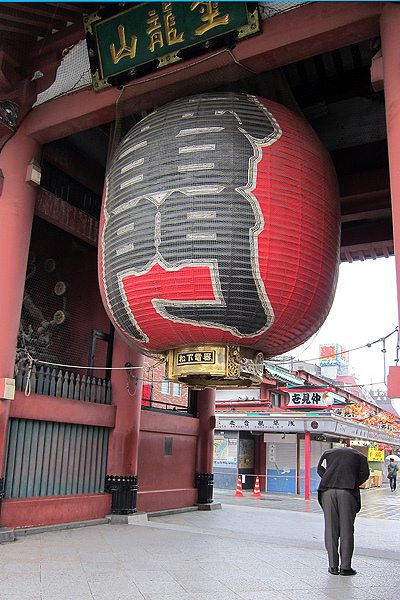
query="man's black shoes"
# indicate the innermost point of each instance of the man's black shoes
(336, 571)
(347, 572)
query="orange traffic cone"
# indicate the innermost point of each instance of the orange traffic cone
(239, 487)
(256, 493)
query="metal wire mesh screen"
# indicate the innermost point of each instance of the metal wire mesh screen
(62, 305)
(269, 9)
(72, 74)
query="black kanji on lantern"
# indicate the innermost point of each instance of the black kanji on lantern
(179, 193)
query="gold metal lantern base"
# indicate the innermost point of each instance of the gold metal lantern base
(209, 366)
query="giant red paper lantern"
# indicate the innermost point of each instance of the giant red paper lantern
(220, 226)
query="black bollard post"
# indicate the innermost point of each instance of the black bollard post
(204, 483)
(123, 490)
(1, 493)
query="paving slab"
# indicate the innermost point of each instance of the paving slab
(252, 549)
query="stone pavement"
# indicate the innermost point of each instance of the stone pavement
(253, 549)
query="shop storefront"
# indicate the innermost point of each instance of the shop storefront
(283, 448)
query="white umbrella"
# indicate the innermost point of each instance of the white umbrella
(396, 458)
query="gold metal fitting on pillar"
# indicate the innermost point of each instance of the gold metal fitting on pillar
(212, 366)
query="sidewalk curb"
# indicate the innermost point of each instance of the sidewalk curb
(6, 535)
(23, 531)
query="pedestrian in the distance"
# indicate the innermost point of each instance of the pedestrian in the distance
(342, 471)
(392, 473)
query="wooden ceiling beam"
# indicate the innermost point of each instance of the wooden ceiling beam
(42, 9)
(283, 41)
(327, 26)
(58, 41)
(25, 31)
(27, 18)
(76, 7)
(368, 251)
(369, 215)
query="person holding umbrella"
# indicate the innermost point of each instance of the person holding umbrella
(392, 473)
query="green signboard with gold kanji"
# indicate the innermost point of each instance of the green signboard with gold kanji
(151, 35)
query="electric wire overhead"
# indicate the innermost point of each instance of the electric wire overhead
(368, 345)
(31, 361)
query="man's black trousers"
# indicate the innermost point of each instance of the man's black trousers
(340, 509)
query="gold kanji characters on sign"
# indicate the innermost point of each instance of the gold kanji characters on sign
(124, 49)
(154, 31)
(210, 16)
(165, 29)
(169, 22)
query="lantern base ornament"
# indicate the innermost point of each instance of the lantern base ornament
(212, 366)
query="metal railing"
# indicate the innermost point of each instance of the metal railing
(163, 406)
(50, 382)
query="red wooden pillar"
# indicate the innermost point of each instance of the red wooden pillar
(260, 460)
(122, 461)
(298, 464)
(264, 391)
(307, 465)
(17, 204)
(390, 39)
(205, 445)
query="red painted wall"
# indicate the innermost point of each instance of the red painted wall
(166, 481)
(33, 512)
(62, 410)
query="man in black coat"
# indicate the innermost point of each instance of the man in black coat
(339, 495)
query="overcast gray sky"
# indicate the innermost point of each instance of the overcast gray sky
(364, 310)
